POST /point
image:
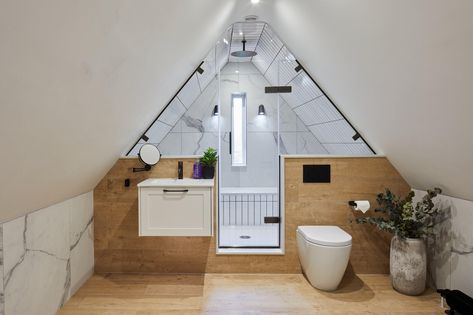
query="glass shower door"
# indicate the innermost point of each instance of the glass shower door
(248, 199)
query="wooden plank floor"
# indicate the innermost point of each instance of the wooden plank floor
(133, 294)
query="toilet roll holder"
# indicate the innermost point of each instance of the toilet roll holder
(352, 204)
(359, 205)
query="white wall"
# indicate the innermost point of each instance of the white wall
(81, 80)
(451, 254)
(47, 255)
(400, 70)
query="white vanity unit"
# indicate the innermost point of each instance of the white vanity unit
(175, 207)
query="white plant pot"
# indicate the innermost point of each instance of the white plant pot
(408, 265)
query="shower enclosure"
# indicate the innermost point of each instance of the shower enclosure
(249, 214)
(248, 198)
(254, 104)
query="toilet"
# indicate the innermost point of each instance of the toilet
(324, 251)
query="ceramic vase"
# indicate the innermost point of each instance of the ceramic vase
(408, 265)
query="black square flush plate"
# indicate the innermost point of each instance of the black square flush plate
(316, 173)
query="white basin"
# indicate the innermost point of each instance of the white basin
(173, 182)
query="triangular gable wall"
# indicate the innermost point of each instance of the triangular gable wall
(186, 127)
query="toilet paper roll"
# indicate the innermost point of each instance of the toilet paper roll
(362, 205)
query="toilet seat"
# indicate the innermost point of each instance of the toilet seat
(325, 235)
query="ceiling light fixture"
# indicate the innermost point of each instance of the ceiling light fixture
(261, 110)
(254, 1)
(215, 111)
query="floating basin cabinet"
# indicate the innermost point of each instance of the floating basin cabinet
(172, 207)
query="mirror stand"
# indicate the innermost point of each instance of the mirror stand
(149, 155)
(146, 168)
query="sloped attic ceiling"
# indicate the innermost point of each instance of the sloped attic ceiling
(81, 79)
(324, 126)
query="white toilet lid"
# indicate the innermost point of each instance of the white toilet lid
(328, 235)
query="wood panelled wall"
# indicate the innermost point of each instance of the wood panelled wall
(119, 249)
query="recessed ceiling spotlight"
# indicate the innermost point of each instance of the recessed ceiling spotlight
(241, 33)
(254, 1)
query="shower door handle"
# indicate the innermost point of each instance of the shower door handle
(272, 220)
(230, 143)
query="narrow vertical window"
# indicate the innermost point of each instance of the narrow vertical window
(238, 137)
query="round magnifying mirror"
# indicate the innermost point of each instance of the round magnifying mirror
(149, 154)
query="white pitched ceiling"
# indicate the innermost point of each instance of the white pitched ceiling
(80, 80)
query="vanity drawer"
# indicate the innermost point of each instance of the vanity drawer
(175, 211)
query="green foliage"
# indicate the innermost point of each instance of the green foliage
(209, 158)
(402, 217)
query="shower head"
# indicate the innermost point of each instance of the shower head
(243, 53)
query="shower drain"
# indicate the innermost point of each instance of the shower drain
(245, 237)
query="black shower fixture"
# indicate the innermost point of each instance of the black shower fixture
(261, 110)
(356, 136)
(199, 68)
(243, 53)
(215, 111)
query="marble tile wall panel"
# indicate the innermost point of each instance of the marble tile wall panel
(187, 126)
(451, 249)
(157, 132)
(189, 92)
(81, 239)
(46, 253)
(37, 262)
(173, 112)
(195, 143)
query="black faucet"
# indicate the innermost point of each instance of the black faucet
(180, 170)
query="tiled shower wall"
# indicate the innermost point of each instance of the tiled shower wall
(451, 250)
(47, 255)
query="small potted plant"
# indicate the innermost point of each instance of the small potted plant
(411, 224)
(208, 161)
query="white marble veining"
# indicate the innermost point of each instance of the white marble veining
(171, 144)
(308, 124)
(39, 259)
(195, 143)
(451, 248)
(81, 240)
(43, 258)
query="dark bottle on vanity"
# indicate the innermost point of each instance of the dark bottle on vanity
(180, 170)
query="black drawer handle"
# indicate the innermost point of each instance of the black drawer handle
(175, 190)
